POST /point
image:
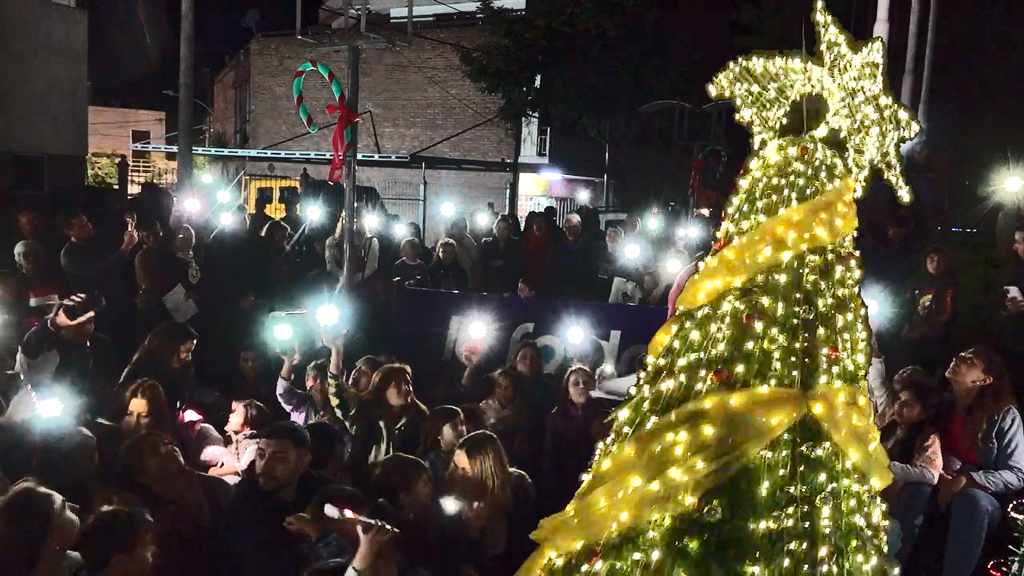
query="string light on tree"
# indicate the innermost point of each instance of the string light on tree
(748, 445)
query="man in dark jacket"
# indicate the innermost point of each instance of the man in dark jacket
(57, 350)
(573, 263)
(276, 485)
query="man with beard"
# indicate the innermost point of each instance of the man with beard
(276, 485)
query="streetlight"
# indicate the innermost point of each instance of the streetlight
(206, 137)
(551, 174)
(447, 209)
(1013, 184)
(223, 196)
(583, 196)
(207, 178)
(226, 218)
(314, 213)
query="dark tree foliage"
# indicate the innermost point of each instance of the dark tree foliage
(594, 59)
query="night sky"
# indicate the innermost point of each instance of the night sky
(976, 87)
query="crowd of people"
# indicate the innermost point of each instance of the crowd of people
(148, 426)
(135, 440)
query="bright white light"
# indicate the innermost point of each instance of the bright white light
(226, 218)
(331, 511)
(328, 315)
(482, 219)
(223, 196)
(575, 335)
(477, 330)
(632, 251)
(192, 205)
(371, 221)
(283, 331)
(693, 231)
(447, 209)
(673, 265)
(49, 408)
(1013, 184)
(451, 505)
(872, 305)
(314, 213)
(583, 196)
(653, 223)
(551, 174)
(206, 178)
(401, 230)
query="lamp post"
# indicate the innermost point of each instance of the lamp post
(206, 138)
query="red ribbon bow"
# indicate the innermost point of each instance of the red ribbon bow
(346, 118)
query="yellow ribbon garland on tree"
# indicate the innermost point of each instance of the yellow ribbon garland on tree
(666, 467)
(812, 224)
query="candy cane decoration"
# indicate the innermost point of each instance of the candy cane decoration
(342, 130)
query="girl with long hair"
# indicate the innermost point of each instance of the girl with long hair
(498, 502)
(573, 429)
(982, 440)
(145, 408)
(166, 356)
(188, 507)
(389, 419)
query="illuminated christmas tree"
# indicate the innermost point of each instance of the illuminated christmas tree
(748, 446)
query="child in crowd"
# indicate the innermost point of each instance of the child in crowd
(444, 428)
(446, 273)
(501, 405)
(410, 271)
(527, 288)
(906, 413)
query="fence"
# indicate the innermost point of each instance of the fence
(564, 206)
(405, 199)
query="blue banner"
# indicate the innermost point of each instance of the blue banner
(431, 330)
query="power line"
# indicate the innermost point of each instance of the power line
(438, 84)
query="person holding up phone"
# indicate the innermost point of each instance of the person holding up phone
(57, 350)
(91, 267)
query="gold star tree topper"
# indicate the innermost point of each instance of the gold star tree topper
(862, 110)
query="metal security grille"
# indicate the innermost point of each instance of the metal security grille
(404, 199)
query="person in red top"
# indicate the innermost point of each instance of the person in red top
(983, 443)
(39, 287)
(537, 243)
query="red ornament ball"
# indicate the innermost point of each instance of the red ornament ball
(833, 351)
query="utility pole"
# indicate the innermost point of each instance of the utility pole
(298, 18)
(910, 69)
(926, 78)
(186, 93)
(513, 187)
(350, 165)
(881, 29)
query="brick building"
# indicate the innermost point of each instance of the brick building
(418, 95)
